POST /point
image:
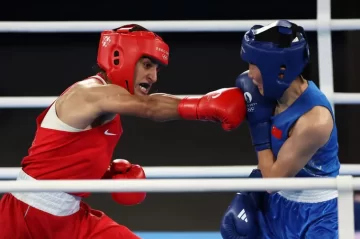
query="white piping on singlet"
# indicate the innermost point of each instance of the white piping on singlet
(54, 203)
(52, 121)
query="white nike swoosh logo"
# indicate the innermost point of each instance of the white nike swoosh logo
(107, 133)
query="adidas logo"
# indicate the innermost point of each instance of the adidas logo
(242, 215)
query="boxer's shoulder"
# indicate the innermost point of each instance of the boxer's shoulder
(83, 90)
(317, 123)
(90, 82)
(75, 106)
(318, 116)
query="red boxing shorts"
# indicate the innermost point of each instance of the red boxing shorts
(54, 215)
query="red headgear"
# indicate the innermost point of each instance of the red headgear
(120, 49)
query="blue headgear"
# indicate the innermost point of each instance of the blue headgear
(279, 44)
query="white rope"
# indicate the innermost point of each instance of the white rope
(343, 184)
(44, 101)
(32, 101)
(168, 26)
(193, 171)
(340, 98)
(173, 185)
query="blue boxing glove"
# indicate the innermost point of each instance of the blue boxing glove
(259, 112)
(240, 220)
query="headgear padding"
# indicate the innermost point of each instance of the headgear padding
(120, 49)
(281, 44)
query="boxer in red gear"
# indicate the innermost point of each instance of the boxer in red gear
(76, 136)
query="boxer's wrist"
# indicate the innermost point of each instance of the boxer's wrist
(187, 108)
(260, 135)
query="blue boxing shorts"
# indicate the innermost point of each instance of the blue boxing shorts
(304, 214)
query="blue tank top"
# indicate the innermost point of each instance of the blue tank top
(325, 162)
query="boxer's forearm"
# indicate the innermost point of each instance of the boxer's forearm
(158, 107)
(287, 163)
(266, 162)
(163, 107)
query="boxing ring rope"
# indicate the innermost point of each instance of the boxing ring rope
(44, 101)
(170, 26)
(344, 184)
(218, 171)
(181, 185)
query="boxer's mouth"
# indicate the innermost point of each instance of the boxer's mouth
(145, 88)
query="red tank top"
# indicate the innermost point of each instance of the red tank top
(58, 154)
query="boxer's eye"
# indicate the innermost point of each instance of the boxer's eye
(147, 65)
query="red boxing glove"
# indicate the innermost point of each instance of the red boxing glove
(226, 106)
(122, 169)
(108, 174)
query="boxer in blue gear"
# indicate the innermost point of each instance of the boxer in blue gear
(293, 131)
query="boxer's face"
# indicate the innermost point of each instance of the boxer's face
(145, 75)
(255, 75)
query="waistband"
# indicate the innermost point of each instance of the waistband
(309, 196)
(55, 203)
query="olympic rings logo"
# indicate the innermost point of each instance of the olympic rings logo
(250, 109)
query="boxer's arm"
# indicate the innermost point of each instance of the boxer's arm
(310, 132)
(114, 99)
(226, 105)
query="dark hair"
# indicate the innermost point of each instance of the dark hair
(306, 73)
